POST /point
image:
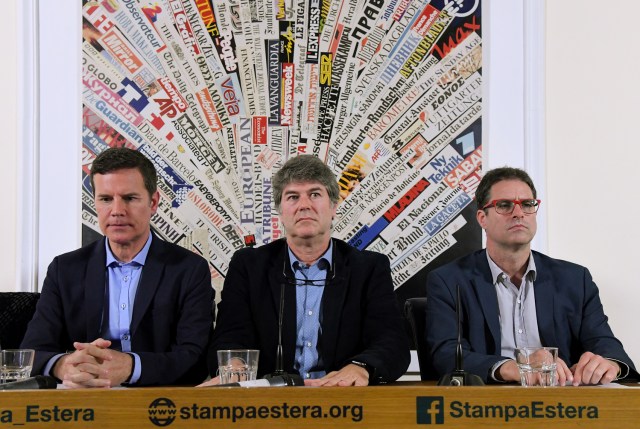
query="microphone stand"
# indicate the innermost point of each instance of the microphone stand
(459, 377)
(289, 379)
(279, 362)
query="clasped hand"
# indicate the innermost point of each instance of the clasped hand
(93, 365)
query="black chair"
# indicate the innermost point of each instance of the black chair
(415, 313)
(16, 311)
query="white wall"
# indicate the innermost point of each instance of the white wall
(58, 200)
(592, 116)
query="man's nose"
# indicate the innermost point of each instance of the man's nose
(117, 207)
(304, 202)
(517, 210)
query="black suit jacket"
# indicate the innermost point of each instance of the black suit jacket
(360, 316)
(568, 308)
(172, 314)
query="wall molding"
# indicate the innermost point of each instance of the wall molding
(514, 88)
(60, 124)
(534, 108)
(28, 135)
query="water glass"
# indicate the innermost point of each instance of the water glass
(237, 365)
(15, 364)
(537, 366)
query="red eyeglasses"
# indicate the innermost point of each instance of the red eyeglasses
(507, 206)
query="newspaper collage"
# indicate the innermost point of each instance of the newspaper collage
(220, 93)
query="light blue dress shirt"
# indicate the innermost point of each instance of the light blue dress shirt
(123, 285)
(310, 284)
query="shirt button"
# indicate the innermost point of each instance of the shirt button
(125, 337)
(519, 331)
(307, 375)
(310, 313)
(518, 300)
(308, 343)
(123, 306)
(126, 278)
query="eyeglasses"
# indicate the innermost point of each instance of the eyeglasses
(506, 207)
(294, 281)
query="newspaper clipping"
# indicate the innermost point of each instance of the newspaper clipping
(218, 94)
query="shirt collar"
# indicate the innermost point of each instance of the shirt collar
(497, 274)
(139, 259)
(326, 256)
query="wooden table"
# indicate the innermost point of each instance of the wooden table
(399, 405)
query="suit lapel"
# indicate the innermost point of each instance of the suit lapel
(333, 298)
(486, 295)
(277, 280)
(544, 294)
(95, 288)
(151, 274)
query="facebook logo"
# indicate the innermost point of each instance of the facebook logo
(430, 410)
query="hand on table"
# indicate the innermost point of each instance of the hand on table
(212, 382)
(350, 375)
(594, 369)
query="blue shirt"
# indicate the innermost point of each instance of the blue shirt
(310, 284)
(124, 278)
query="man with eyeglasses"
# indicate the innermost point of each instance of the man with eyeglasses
(341, 325)
(514, 297)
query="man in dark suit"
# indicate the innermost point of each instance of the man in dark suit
(341, 325)
(514, 297)
(130, 308)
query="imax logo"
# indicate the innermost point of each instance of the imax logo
(430, 410)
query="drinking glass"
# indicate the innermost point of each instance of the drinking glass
(237, 365)
(15, 364)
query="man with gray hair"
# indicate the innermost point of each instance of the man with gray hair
(340, 322)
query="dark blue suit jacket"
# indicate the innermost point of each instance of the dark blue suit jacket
(568, 308)
(360, 316)
(172, 315)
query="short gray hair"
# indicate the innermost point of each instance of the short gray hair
(301, 169)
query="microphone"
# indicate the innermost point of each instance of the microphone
(279, 375)
(459, 377)
(34, 383)
(273, 381)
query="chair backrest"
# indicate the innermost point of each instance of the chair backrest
(16, 311)
(415, 312)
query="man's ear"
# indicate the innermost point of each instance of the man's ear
(155, 200)
(481, 217)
